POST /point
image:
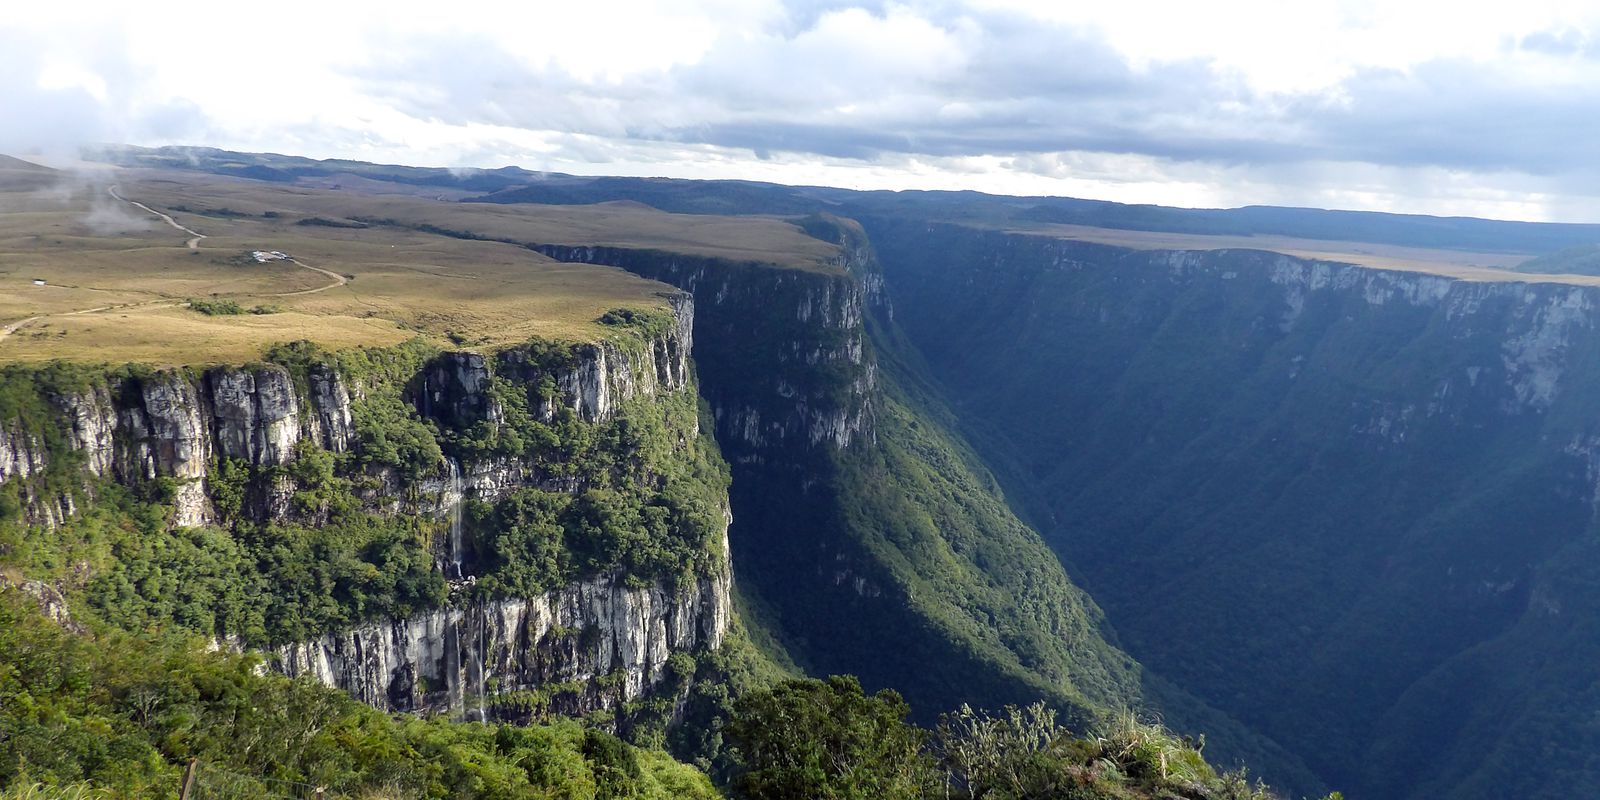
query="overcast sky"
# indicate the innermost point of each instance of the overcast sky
(1444, 107)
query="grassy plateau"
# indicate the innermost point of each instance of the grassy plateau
(90, 269)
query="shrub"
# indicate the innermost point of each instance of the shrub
(215, 308)
(828, 740)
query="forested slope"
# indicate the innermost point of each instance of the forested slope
(1351, 508)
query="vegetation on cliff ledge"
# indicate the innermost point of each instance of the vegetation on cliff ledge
(641, 492)
(113, 714)
(119, 715)
(810, 739)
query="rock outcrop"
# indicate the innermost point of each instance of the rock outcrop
(783, 351)
(330, 422)
(602, 375)
(455, 391)
(594, 644)
(173, 424)
(257, 416)
(21, 453)
(459, 659)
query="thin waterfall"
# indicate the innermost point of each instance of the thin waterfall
(455, 498)
(483, 662)
(454, 659)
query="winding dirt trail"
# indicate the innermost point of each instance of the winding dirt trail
(12, 327)
(193, 244)
(338, 280)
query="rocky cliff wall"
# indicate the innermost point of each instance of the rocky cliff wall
(1366, 484)
(975, 290)
(590, 646)
(885, 559)
(602, 640)
(173, 424)
(593, 381)
(787, 362)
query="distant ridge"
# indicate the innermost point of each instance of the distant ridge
(1580, 260)
(17, 175)
(14, 164)
(512, 185)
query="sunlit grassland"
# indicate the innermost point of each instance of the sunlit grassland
(116, 278)
(1449, 263)
(618, 224)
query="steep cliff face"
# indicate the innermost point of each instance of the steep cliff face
(174, 424)
(470, 461)
(605, 375)
(892, 558)
(146, 426)
(590, 646)
(1369, 485)
(791, 365)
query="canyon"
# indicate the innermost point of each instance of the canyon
(1295, 506)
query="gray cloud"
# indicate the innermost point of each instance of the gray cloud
(885, 86)
(1457, 115)
(1558, 42)
(35, 118)
(964, 83)
(38, 119)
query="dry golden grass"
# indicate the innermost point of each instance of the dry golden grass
(173, 335)
(350, 182)
(116, 276)
(1451, 263)
(756, 239)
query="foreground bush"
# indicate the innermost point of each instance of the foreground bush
(832, 741)
(119, 716)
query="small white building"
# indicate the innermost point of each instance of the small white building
(38, 281)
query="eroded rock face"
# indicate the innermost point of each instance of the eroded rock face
(455, 660)
(816, 383)
(257, 414)
(455, 391)
(177, 426)
(1539, 326)
(604, 375)
(94, 425)
(174, 424)
(21, 453)
(179, 444)
(330, 400)
(51, 602)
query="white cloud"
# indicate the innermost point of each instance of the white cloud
(1430, 106)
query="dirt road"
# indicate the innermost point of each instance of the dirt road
(193, 244)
